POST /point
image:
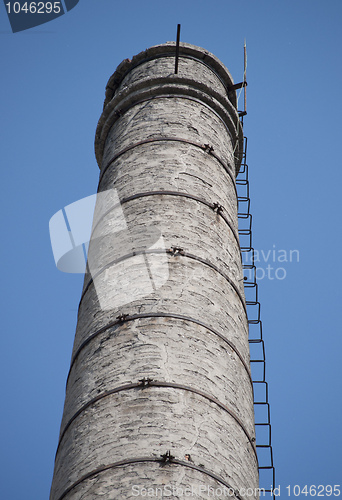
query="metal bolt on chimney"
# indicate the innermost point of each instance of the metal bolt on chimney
(159, 396)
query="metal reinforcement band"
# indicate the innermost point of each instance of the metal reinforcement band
(120, 111)
(133, 317)
(204, 147)
(171, 461)
(163, 88)
(143, 384)
(214, 206)
(171, 252)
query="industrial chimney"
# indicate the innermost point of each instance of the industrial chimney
(159, 398)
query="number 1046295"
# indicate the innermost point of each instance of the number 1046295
(34, 7)
(313, 490)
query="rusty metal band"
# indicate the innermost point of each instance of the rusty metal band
(193, 143)
(136, 460)
(170, 139)
(133, 317)
(167, 385)
(171, 252)
(120, 111)
(169, 193)
(189, 98)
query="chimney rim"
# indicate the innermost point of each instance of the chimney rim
(168, 49)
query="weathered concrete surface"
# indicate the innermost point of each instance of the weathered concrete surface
(168, 350)
(127, 482)
(149, 422)
(155, 125)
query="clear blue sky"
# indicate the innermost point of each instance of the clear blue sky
(52, 90)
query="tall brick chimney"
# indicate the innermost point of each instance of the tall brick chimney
(159, 395)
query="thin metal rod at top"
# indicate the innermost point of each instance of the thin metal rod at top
(177, 48)
(244, 76)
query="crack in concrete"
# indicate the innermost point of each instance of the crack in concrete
(196, 177)
(128, 123)
(198, 430)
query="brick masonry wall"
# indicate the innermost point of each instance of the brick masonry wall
(190, 334)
